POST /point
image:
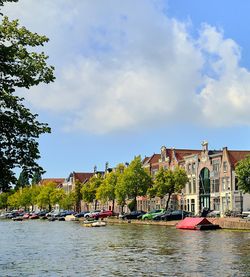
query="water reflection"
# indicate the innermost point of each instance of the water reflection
(35, 248)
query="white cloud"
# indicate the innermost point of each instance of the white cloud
(119, 68)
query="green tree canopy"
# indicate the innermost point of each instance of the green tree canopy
(107, 190)
(57, 196)
(68, 201)
(168, 182)
(23, 180)
(78, 195)
(4, 200)
(243, 174)
(44, 198)
(134, 181)
(37, 177)
(20, 67)
(90, 188)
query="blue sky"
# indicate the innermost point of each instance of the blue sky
(135, 75)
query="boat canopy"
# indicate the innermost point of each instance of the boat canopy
(192, 223)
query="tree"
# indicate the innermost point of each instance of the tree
(25, 197)
(14, 200)
(78, 195)
(106, 191)
(167, 182)
(68, 201)
(243, 174)
(4, 200)
(34, 191)
(57, 196)
(23, 180)
(44, 199)
(134, 182)
(90, 188)
(20, 67)
(36, 178)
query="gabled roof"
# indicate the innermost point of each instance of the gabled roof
(145, 160)
(181, 153)
(83, 177)
(57, 181)
(236, 155)
(154, 158)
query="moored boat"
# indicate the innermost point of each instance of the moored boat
(94, 223)
(99, 224)
(196, 223)
(18, 218)
(70, 218)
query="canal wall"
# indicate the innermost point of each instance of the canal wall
(231, 223)
(224, 223)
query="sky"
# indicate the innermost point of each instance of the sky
(132, 76)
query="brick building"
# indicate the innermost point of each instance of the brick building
(212, 180)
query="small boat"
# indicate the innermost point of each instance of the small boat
(70, 218)
(99, 224)
(94, 223)
(18, 218)
(196, 223)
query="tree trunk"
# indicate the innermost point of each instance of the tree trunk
(169, 196)
(113, 204)
(95, 204)
(135, 203)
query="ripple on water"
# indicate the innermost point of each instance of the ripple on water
(35, 248)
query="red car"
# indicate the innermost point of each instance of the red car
(102, 214)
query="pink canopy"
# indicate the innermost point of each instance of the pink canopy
(192, 222)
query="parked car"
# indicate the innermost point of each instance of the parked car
(102, 214)
(213, 214)
(153, 213)
(41, 213)
(81, 214)
(90, 214)
(175, 215)
(132, 215)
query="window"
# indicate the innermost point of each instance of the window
(193, 168)
(225, 166)
(194, 185)
(216, 167)
(190, 186)
(236, 184)
(216, 185)
(154, 171)
(228, 187)
(192, 205)
(188, 204)
(223, 184)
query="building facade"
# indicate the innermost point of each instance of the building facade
(212, 179)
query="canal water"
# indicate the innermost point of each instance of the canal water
(38, 248)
